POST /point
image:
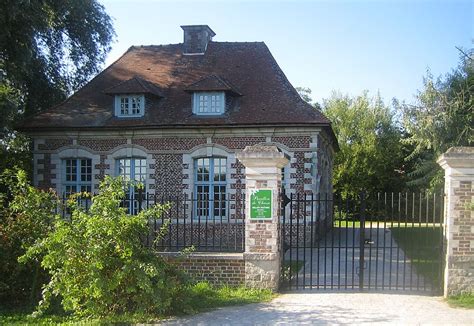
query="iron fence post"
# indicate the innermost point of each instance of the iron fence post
(362, 241)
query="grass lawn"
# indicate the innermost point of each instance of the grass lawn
(202, 297)
(423, 247)
(462, 301)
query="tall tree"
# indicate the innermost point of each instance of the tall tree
(48, 49)
(370, 156)
(441, 117)
(305, 94)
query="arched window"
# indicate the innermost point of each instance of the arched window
(133, 170)
(77, 175)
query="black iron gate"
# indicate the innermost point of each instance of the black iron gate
(382, 242)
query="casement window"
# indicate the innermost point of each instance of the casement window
(133, 171)
(77, 176)
(208, 103)
(210, 188)
(130, 105)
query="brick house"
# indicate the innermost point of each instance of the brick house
(174, 117)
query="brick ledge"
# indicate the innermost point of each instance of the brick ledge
(205, 255)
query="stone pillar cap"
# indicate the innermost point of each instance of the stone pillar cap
(263, 156)
(457, 157)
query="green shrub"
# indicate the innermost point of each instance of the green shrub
(98, 264)
(202, 296)
(26, 215)
(465, 300)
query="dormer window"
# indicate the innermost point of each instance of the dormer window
(209, 103)
(209, 95)
(130, 105)
(130, 96)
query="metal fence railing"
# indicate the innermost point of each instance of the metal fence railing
(202, 223)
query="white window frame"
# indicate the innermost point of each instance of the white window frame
(132, 201)
(129, 98)
(205, 203)
(79, 184)
(207, 106)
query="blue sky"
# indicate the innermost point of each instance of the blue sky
(349, 46)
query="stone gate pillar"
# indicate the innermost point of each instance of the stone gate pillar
(262, 226)
(458, 164)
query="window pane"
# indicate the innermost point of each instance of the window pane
(220, 169)
(219, 201)
(136, 104)
(77, 176)
(71, 170)
(202, 203)
(131, 105)
(133, 169)
(140, 170)
(124, 105)
(69, 190)
(86, 170)
(210, 188)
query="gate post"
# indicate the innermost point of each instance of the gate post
(262, 223)
(458, 164)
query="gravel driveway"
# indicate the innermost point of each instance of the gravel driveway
(337, 308)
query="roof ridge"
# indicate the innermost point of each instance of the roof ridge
(176, 44)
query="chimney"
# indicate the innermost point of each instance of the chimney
(196, 38)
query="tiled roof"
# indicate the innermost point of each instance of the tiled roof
(267, 97)
(213, 83)
(135, 85)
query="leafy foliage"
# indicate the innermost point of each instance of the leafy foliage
(98, 263)
(305, 94)
(462, 301)
(441, 118)
(48, 49)
(370, 152)
(25, 217)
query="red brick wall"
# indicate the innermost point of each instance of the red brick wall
(238, 142)
(300, 171)
(216, 268)
(293, 141)
(464, 222)
(169, 143)
(169, 175)
(102, 144)
(53, 144)
(101, 167)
